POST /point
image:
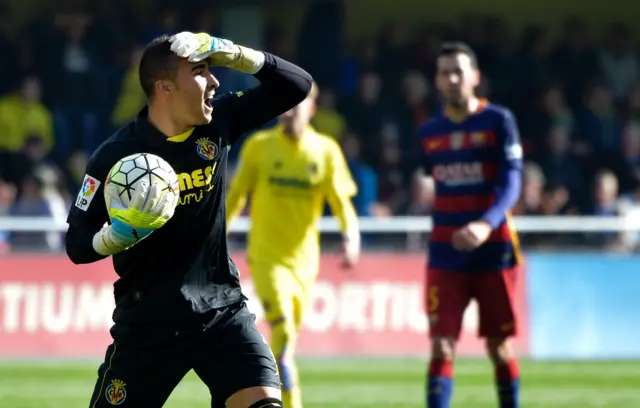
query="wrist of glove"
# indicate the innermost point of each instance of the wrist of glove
(220, 52)
(108, 242)
(150, 209)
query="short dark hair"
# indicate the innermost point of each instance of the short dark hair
(158, 62)
(449, 49)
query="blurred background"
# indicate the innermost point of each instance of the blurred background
(569, 70)
(572, 77)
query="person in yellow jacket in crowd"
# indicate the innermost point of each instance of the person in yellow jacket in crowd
(24, 116)
(131, 98)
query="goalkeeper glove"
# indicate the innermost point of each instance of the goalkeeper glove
(150, 209)
(220, 52)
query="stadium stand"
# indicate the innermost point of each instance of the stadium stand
(576, 97)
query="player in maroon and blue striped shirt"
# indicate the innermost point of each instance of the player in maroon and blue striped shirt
(473, 152)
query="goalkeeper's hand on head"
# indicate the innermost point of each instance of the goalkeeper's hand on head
(198, 47)
(150, 208)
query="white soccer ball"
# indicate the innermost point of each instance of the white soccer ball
(129, 171)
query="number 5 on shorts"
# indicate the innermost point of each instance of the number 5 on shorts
(433, 300)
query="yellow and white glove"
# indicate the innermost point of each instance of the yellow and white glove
(197, 47)
(150, 208)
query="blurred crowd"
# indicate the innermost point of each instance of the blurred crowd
(68, 81)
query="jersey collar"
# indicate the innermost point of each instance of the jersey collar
(280, 131)
(458, 117)
(147, 131)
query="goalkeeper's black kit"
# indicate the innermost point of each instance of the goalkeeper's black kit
(180, 282)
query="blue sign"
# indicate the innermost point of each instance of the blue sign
(584, 306)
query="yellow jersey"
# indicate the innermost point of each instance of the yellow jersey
(289, 182)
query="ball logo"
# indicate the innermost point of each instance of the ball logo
(87, 192)
(116, 392)
(206, 148)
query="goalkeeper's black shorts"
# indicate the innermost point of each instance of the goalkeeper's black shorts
(144, 364)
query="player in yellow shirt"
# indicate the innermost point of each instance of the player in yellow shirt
(290, 171)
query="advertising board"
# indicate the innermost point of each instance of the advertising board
(50, 307)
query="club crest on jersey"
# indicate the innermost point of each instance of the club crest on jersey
(206, 148)
(456, 140)
(116, 392)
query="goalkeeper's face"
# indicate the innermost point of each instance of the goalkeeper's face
(457, 79)
(196, 85)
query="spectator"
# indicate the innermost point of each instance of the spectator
(574, 62)
(533, 69)
(364, 176)
(8, 68)
(365, 60)
(32, 159)
(599, 121)
(605, 191)
(422, 194)
(414, 109)
(560, 165)
(428, 46)
(76, 166)
(75, 86)
(364, 113)
(393, 43)
(131, 98)
(629, 207)
(327, 119)
(392, 175)
(167, 21)
(30, 203)
(631, 108)
(626, 165)
(319, 43)
(7, 199)
(533, 184)
(531, 199)
(23, 116)
(556, 108)
(618, 61)
(499, 60)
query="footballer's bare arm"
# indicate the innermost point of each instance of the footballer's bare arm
(283, 85)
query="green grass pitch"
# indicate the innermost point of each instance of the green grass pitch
(347, 383)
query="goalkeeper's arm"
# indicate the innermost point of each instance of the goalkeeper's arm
(283, 85)
(79, 245)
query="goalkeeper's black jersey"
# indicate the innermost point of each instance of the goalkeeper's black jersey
(182, 269)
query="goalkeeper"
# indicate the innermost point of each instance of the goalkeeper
(290, 172)
(179, 305)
